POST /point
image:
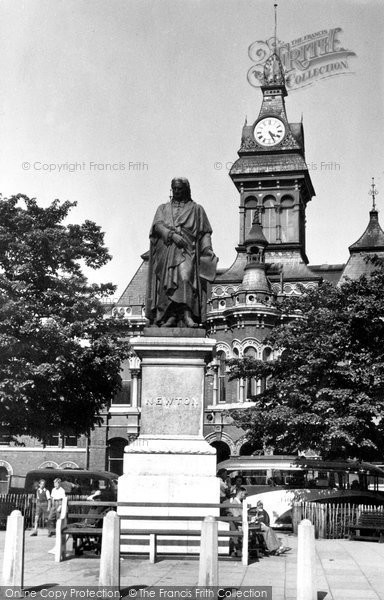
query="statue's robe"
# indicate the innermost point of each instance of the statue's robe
(178, 275)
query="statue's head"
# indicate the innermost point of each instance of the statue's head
(181, 190)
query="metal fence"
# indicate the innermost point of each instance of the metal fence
(26, 503)
(331, 521)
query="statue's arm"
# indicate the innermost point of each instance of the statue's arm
(161, 230)
(169, 235)
(206, 245)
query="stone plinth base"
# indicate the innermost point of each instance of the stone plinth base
(170, 462)
(167, 488)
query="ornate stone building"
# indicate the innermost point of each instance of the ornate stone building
(274, 187)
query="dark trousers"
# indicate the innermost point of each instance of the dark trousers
(41, 513)
(235, 543)
(54, 514)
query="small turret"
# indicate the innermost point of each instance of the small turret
(370, 244)
(255, 279)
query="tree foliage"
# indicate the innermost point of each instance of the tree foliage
(326, 388)
(59, 357)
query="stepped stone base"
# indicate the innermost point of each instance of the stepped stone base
(170, 462)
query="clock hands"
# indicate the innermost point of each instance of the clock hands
(269, 131)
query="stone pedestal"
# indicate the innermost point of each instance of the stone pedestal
(170, 461)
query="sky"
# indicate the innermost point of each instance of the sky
(159, 89)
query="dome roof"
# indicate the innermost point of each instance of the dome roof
(372, 239)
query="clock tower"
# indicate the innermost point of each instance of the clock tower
(271, 174)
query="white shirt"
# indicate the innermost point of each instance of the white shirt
(58, 493)
(236, 511)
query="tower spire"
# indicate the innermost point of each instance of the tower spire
(275, 7)
(273, 69)
(373, 191)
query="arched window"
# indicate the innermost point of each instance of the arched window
(250, 205)
(268, 218)
(222, 376)
(247, 448)
(222, 450)
(267, 355)
(251, 384)
(4, 480)
(288, 220)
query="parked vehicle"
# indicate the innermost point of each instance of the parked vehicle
(279, 481)
(79, 482)
(76, 482)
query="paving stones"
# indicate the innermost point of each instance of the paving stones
(345, 570)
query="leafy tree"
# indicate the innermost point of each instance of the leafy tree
(326, 388)
(59, 357)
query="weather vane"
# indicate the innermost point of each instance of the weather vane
(275, 6)
(373, 192)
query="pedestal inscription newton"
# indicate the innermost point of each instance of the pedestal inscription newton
(172, 401)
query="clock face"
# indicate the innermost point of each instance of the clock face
(269, 131)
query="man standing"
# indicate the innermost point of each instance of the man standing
(57, 497)
(181, 261)
(236, 511)
(224, 487)
(42, 499)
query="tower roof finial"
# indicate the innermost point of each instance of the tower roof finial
(275, 7)
(273, 69)
(373, 191)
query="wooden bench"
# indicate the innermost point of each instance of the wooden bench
(86, 533)
(370, 526)
(155, 535)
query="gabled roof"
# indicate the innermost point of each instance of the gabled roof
(291, 271)
(135, 291)
(235, 272)
(330, 273)
(295, 271)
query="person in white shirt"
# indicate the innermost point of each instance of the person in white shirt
(236, 511)
(57, 496)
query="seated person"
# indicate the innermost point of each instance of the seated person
(272, 542)
(95, 513)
